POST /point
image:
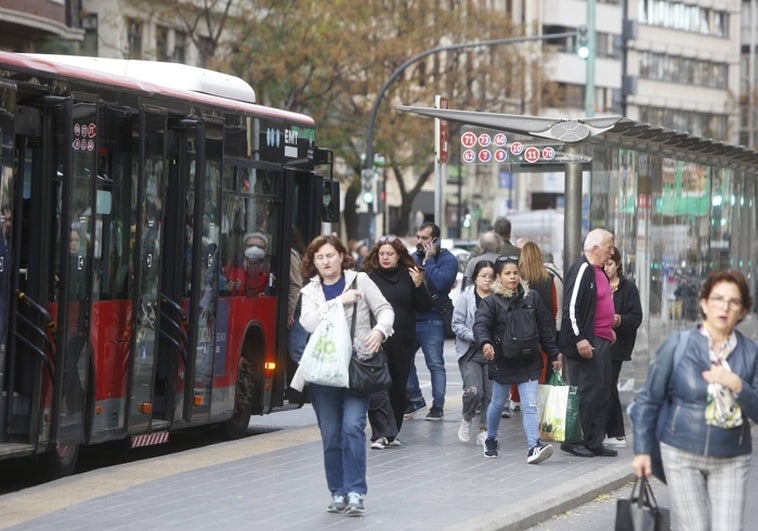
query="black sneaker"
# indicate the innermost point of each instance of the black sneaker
(435, 413)
(538, 453)
(491, 446)
(413, 406)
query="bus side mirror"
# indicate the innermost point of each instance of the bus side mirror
(330, 201)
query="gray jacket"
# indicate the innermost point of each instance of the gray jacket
(464, 314)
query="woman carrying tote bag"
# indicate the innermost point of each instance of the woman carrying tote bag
(341, 415)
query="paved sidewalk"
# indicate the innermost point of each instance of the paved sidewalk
(276, 481)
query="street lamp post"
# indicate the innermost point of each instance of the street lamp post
(369, 159)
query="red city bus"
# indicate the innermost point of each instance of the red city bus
(129, 306)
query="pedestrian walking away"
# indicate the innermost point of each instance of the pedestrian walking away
(585, 340)
(695, 408)
(477, 386)
(341, 415)
(440, 269)
(514, 354)
(626, 320)
(401, 281)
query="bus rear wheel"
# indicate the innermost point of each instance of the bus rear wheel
(236, 427)
(62, 459)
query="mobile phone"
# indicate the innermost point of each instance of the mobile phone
(436, 241)
(421, 268)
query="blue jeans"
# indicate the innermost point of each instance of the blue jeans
(529, 417)
(342, 420)
(430, 336)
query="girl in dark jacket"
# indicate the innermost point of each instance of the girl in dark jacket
(509, 293)
(626, 321)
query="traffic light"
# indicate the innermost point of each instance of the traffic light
(381, 196)
(367, 186)
(582, 42)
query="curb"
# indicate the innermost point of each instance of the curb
(557, 500)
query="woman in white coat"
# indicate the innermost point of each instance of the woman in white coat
(341, 415)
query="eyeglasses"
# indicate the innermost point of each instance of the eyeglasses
(387, 239)
(325, 257)
(723, 302)
(506, 259)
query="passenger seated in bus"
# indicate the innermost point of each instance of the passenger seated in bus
(249, 275)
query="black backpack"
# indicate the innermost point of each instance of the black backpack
(521, 337)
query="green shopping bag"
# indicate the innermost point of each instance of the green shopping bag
(558, 408)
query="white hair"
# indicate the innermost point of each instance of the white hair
(595, 238)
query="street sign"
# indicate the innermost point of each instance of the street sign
(532, 154)
(480, 145)
(442, 132)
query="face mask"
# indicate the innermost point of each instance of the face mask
(254, 253)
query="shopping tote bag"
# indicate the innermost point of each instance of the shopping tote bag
(326, 356)
(558, 405)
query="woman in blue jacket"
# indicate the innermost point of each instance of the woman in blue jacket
(700, 395)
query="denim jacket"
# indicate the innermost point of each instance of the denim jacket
(672, 403)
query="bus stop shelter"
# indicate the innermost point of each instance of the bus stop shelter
(680, 205)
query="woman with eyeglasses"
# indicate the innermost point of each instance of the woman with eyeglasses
(510, 293)
(626, 320)
(401, 281)
(477, 386)
(695, 409)
(341, 414)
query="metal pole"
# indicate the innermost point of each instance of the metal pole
(572, 230)
(369, 160)
(589, 87)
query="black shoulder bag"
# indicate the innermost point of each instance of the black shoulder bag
(367, 376)
(641, 512)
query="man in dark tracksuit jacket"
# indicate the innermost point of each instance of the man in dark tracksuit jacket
(585, 339)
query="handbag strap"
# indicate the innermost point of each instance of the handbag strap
(354, 285)
(645, 496)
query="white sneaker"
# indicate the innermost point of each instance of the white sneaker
(464, 431)
(616, 442)
(481, 437)
(380, 444)
(354, 505)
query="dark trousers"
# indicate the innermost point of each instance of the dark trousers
(399, 359)
(614, 425)
(592, 378)
(381, 416)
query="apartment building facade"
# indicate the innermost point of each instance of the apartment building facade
(674, 64)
